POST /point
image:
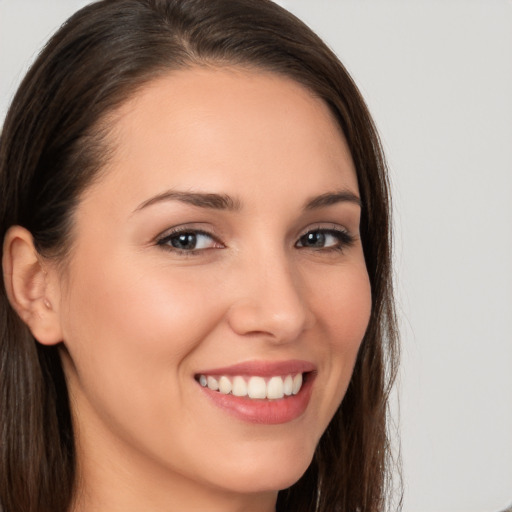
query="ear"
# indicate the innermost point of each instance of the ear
(29, 288)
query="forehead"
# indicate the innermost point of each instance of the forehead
(226, 128)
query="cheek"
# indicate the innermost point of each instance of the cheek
(129, 334)
(343, 308)
(147, 310)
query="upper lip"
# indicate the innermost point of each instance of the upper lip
(263, 368)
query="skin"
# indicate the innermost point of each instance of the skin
(139, 320)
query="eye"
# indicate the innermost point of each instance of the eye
(327, 239)
(188, 241)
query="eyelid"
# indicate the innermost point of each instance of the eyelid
(346, 239)
(162, 239)
(338, 228)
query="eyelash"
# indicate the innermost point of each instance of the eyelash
(166, 240)
(344, 240)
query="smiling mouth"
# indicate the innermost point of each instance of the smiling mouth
(260, 392)
(254, 387)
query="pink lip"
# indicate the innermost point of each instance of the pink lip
(267, 412)
(263, 368)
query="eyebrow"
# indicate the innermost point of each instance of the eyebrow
(199, 199)
(226, 202)
(330, 198)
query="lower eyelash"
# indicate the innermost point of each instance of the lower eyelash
(164, 241)
(344, 238)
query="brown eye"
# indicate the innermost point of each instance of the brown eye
(188, 241)
(325, 239)
(185, 241)
(313, 239)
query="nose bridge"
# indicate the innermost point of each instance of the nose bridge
(270, 298)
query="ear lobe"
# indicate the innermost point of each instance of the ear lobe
(27, 286)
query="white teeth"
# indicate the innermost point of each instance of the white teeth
(213, 383)
(297, 383)
(224, 385)
(288, 385)
(275, 388)
(239, 387)
(255, 387)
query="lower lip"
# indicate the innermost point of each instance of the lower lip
(267, 412)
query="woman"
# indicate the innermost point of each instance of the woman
(197, 306)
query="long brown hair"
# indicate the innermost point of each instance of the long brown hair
(54, 144)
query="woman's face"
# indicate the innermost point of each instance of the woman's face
(220, 247)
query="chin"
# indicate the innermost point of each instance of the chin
(276, 470)
(257, 482)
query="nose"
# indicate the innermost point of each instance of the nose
(271, 301)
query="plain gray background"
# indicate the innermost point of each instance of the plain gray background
(437, 76)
